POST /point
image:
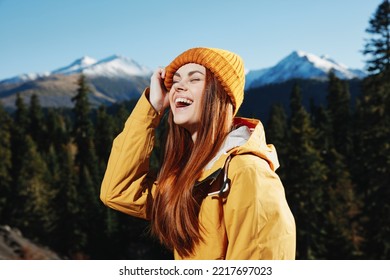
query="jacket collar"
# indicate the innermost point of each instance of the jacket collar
(248, 137)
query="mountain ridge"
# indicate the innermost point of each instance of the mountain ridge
(114, 65)
(301, 65)
(117, 78)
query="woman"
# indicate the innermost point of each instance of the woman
(217, 195)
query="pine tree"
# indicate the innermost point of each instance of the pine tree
(88, 177)
(36, 127)
(18, 135)
(277, 133)
(103, 137)
(31, 189)
(372, 173)
(70, 239)
(378, 47)
(83, 132)
(322, 121)
(34, 214)
(5, 162)
(341, 205)
(58, 130)
(306, 176)
(19, 149)
(21, 114)
(340, 114)
(341, 208)
(83, 135)
(372, 151)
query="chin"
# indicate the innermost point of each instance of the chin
(180, 121)
(184, 123)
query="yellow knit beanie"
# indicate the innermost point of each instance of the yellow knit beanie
(226, 66)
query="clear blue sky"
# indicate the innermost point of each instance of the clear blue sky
(42, 35)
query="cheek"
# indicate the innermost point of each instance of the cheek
(170, 96)
(199, 97)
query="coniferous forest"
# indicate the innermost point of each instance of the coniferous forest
(334, 157)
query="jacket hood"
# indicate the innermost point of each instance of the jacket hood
(257, 143)
(248, 137)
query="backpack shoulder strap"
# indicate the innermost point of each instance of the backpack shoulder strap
(226, 181)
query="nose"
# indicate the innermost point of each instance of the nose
(180, 85)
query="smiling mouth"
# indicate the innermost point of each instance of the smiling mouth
(182, 102)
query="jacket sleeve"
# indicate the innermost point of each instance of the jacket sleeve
(258, 220)
(127, 185)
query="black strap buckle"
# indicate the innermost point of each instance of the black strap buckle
(226, 181)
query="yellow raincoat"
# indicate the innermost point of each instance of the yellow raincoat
(246, 218)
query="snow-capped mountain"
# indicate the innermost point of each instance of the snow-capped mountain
(301, 65)
(77, 66)
(117, 66)
(113, 66)
(25, 78)
(113, 79)
(117, 78)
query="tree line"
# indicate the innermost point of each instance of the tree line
(52, 164)
(334, 158)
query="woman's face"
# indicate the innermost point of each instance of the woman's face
(185, 96)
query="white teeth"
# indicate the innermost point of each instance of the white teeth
(183, 100)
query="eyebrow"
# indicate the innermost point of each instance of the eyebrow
(189, 73)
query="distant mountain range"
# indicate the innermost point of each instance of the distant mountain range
(114, 67)
(117, 78)
(111, 80)
(301, 65)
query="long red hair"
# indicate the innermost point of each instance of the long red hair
(175, 209)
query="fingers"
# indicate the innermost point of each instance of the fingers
(160, 72)
(158, 96)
